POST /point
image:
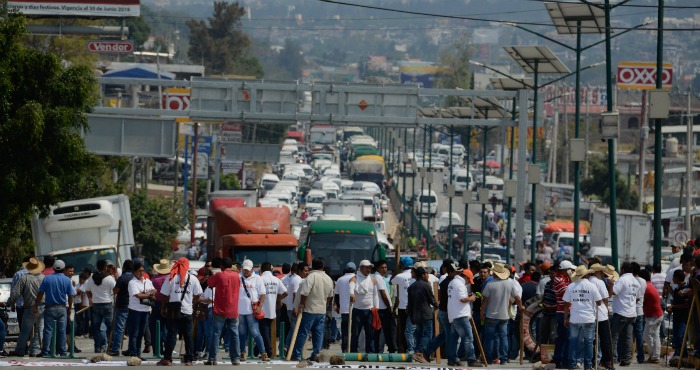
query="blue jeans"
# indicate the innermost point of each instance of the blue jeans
(57, 316)
(561, 349)
(101, 312)
(203, 330)
(409, 333)
(249, 324)
(314, 323)
(218, 323)
(424, 331)
(30, 322)
(362, 320)
(137, 322)
(581, 333)
(462, 329)
(496, 330)
(443, 337)
(290, 331)
(639, 337)
(679, 327)
(119, 324)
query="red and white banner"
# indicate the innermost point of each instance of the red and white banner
(231, 132)
(176, 98)
(78, 8)
(642, 75)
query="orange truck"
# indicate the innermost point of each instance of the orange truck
(258, 234)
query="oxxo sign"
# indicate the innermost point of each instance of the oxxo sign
(176, 98)
(111, 46)
(642, 75)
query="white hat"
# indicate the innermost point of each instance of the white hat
(366, 263)
(566, 265)
(247, 265)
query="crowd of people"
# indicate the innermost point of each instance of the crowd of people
(470, 309)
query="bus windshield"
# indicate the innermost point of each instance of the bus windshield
(87, 259)
(339, 249)
(276, 256)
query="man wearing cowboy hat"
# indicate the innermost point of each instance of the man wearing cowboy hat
(27, 287)
(99, 288)
(582, 299)
(162, 273)
(495, 313)
(604, 337)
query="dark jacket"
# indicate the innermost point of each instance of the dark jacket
(420, 300)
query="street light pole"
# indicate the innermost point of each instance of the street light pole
(577, 133)
(658, 178)
(483, 186)
(510, 177)
(452, 142)
(470, 176)
(533, 217)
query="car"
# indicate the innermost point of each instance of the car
(12, 323)
(444, 220)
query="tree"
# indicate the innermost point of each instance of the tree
(597, 185)
(42, 115)
(156, 223)
(220, 44)
(455, 62)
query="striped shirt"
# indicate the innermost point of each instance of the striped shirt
(559, 285)
(657, 280)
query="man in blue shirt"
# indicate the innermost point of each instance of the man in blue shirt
(59, 291)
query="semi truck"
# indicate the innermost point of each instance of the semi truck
(257, 234)
(82, 232)
(225, 199)
(368, 168)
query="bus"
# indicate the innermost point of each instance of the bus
(340, 242)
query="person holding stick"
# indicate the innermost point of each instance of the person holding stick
(27, 287)
(582, 299)
(405, 327)
(342, 303)
(99, 290)
(459, 312)
(276, 291)
(362, 295)
(315, 293)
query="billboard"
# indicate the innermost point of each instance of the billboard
(642, 75)
(78, 8)
(419, 73)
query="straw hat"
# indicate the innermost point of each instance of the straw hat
(501, 271)
(580, 272)
(164, 266)
(609, 271)
(34, 266)
(596, 267)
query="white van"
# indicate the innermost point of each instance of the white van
(461, 180)
(315, 198)
(441, 152)
(495, 186)
(331, 189)
(429, 200)
(268, 181)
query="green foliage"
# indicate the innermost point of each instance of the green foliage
(597, 184)
(220, 44)
(455, 60)
(156, 223)
(229, 182)
(139, 29)
(72, 49)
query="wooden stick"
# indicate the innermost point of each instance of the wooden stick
(274, 338)
(294, 337)
(478, 341)
(83, 310)
(522, 337)
(595, 350)
(111, 331)
(350, 327)
(685, 334)
(435, 323)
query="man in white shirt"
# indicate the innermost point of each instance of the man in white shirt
(604, 338)
(252, 295)
(639, 322)
(300, 270)
(276, 291)
(179, 295)
(363, 292)
(582, 299)
(99, 291)
(459, 312)
(626, 293)
(405, 328)
(342, 302)
(385, 313)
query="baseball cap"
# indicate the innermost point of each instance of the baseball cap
(419, 271)
(350, 266)
(247, 265)
(59, 265)
(407, 262)
(456, 267)
(110, 263)
(546, 265)
(366, 263)
(566, 265)
(468, 276)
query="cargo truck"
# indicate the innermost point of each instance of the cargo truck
(368, 168)
(257, 234)
(633, 234)
(82, 232)
(351, 208)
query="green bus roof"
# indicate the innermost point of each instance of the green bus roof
(341, 227)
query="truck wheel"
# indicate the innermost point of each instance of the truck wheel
(531, 321)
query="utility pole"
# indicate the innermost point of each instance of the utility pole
(690, 144)
(555, 145)
(658, 176)
(566, 140)
(643, 135)
(194, 183)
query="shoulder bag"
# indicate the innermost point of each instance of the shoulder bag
(255, 305)
(146, 301)
(174, 309)
(376, 321)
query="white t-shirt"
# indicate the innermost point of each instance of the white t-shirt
(173, 290)
(603, 291)
(669, 276)
(292, 287)
(402, 282)
(626, 292)
(539, 236)
(342, 289)
(640, 296)
(363, 290)
(101, 293)
(541, 285)
(137, 286)
(583, 296)
(273, 287)
(457, 290)
(381, 285)
(256, 288)
(208, 295)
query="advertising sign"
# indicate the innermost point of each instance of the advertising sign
(78, 8)
(642, 75)
(231, 132)
(176, 98)
(111, 46)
